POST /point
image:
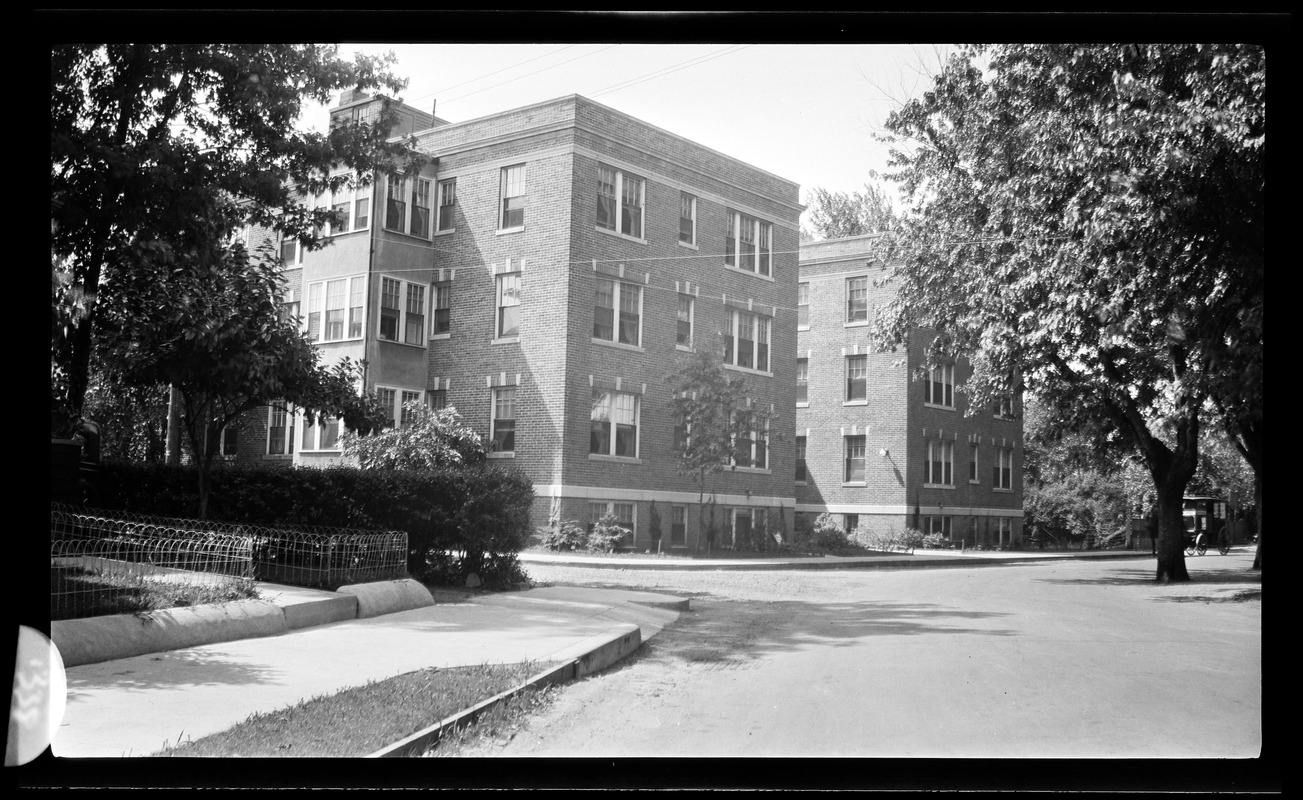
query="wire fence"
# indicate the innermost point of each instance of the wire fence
(314, 556)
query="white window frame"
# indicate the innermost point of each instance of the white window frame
(688, 202)
(222, 443)
(760, 242)
(409, 190)
(351, 195)
(974, 467)
(1002, 470)
(759, 442)
(619, 290)
(440, 291)
(862, 441)
(939, 524)
(857, 363)
(316, 432)
(857, 316)
(404, 312)
(803, 306)
(679, 519)
(802, 464)
(802, 382)
(445, 205)
(943, 375)
(495, 451)
(397, 398)
(354, 316)
(296, 260)
(288, 418)
(690, 320)
(511, 178)
(939, 452)
(600, 508)
(504, 300)
(605, 402)
(1003, 408)
(732, 339)
(621, 218)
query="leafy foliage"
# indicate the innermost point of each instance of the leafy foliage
(1089, 220)
(432, 438)
(568, 536)
(834, 215)
(607, 536)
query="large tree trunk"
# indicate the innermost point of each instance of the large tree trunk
(1171, 534)
(1257, 500)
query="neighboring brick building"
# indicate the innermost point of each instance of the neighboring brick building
(877, 448)
(542, 275)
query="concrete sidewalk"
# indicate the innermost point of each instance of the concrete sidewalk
(135, 706)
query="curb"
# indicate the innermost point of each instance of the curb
(886, 562)
(615, 646)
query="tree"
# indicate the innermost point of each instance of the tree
(716, 421)
(208, 322)
(834, 215)
(429, 439)
(1089, 220)
(143, 136)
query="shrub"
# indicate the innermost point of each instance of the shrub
(569, 535)
(894, 540)
(606, 535)
(828, 534)
(935, 541)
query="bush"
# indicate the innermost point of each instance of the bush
(828, 534)
(569, 535)
(935, 541)
(891, 541)
(607, 535)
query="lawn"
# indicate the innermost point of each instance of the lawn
(76, 592)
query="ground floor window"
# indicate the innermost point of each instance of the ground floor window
(624, 515)
(321, 437)
(678, 526)
(939, 526)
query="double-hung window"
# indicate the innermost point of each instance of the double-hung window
(396, 404)
(801, 472)
(508, 303)
(407, 208)
(503, 435)
(447, 204)
(939, 388)
(753, 449)
(623, 513)
(352, 207)
(395, 204)
(936, 526)
(420, 222)
(291, 251)
(803, 380)
(939, 463)
(803, 305)
(854, 472)
(512, 198)
(746, 339)
(857, 300)
(335, 309)
(320, 437)
(678, 526)
(748, 243)
(223, 440)
(620, 201)
(972, 464)
(687, 219)
(441, 304)
(280, 431)
(1002, 469)
(436, 399)
(402, 311)
(614, 429)
(626, 298)
(685, 312)
(1004, 407)
(857, 378)
(388, 401)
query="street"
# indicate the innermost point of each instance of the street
(1070, 659)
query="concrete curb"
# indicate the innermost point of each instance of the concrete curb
(387, 597)
(923, 561)
(613, 646)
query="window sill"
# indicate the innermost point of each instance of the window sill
(501, 231)
(404, 344)
(803, 405)
(855, 402)
(688, 245)
(759, 275)
(854, 484)
(753, 470)
(748, 370)
(320, 452)
(334, 234)
(614, 459)
(803, 327)
(619, 345)
(938, 486)
(926, 404)
(685, 348)
(506, 340)
(619, 235)
(501, 454)
(802, 483)
(974, 483)
(858, 324)
(340, 341)
(278, 456)
(445, 233)
(998, 489)
(435, 337)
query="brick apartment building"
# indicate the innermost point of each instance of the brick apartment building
(877, 448)
(542, 274)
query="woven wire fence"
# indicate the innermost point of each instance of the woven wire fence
(317, 556)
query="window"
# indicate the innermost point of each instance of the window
(508, 305)
(753, 450)
(512, 198)
(687, 219)
(684, 335)
(938, 463)
(1004, 407)
(395, 206)
(627, 215)
(223, 440)
(678, 526)
(746, 340)
(680, 433)
(1002, 469)
(402, 311)
(854, 460)
(803, 381)
(627, 297)
(352, 207)
(291, 307)
(972, 464)
(406, 414)
(388, 400)
(802, 305)
(800, 460)
(320, 437)
(291, 251)
(623, 512)
(857, 377)
(407, 208)
(936, 526)
(1004, 530)
(857, 299)
(335, 309)
(441, 297)
(280, 431)
(436, 399)
(939, 388)
(614, 424)
(850, 522)
(503, 435)
(747, 243)
(395, 404)
(447, 204)
(420, 224)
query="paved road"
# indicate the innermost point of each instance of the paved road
(1080, 659)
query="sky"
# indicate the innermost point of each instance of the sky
(803, 112)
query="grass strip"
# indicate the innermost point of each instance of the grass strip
(78, 593)
(359, 721)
